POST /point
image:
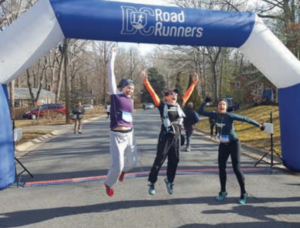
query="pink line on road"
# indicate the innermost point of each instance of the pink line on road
(133, 175)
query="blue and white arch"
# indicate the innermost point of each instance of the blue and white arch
(48, 22)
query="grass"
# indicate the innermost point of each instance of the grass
(50, 120)
(42, 122)
(251, 135)
(29, 135)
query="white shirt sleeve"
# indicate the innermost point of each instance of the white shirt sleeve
(111, 74)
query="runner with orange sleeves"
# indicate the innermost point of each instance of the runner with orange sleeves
(169, 140)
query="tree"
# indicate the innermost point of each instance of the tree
(286, 12)
(178, 85)
(101, 51)
(67, 80)
(59, 72)
(157, 82)
(38, 72)
(195, 98)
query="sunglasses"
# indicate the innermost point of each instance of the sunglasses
(167, 93)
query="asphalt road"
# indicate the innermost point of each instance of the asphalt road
(68, 189)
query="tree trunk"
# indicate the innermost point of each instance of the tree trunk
(41, 83)
(203, 77)
(67, 89)
(221, 78)
(53, 63)
(30, 89)
(105, 57)
(215, 78)
(59, 79)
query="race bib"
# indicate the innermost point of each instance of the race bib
(127, 117)
(224, 138)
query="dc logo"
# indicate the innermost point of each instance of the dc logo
(136, 20)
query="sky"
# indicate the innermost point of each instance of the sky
(143, 48)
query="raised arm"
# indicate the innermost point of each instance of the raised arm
(201, 110)
(244, 119)
(111, 74)
(154, 96)
(190, 90)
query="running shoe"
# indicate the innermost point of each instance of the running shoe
(151, 190)
(169, 186)
(243, 199)
(109, 191)
(121, 177)
(221, 196)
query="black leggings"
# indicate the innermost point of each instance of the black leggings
(168, 146)
(212, 126)
(233, 149)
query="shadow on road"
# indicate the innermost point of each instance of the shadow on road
(245, 225)
(21, 218)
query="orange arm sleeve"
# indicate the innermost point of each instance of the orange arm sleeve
(189, 92)
(152, 93)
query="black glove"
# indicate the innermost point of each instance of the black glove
(207, 100)
(262, 127)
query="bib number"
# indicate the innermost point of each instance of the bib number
(126, 116)
(224, 139)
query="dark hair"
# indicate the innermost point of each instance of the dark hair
(225, 100)
(190, 105)
(125, 82)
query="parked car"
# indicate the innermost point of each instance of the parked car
(40, 111)
(232, 105)
(87, 106)
(149, 106)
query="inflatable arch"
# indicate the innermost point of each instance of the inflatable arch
(43, 26)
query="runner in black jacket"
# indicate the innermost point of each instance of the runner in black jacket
(229, 145)
(191, 118)
(170, 134)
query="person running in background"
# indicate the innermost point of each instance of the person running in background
(169, 140)
(191, 118)
(212, 126)
(108, 110)
(229, 145)
(78, 111)
(123, 151)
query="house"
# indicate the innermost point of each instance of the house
(23, 98)
(85, 97)
(253, 89)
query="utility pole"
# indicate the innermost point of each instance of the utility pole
(12, 98)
